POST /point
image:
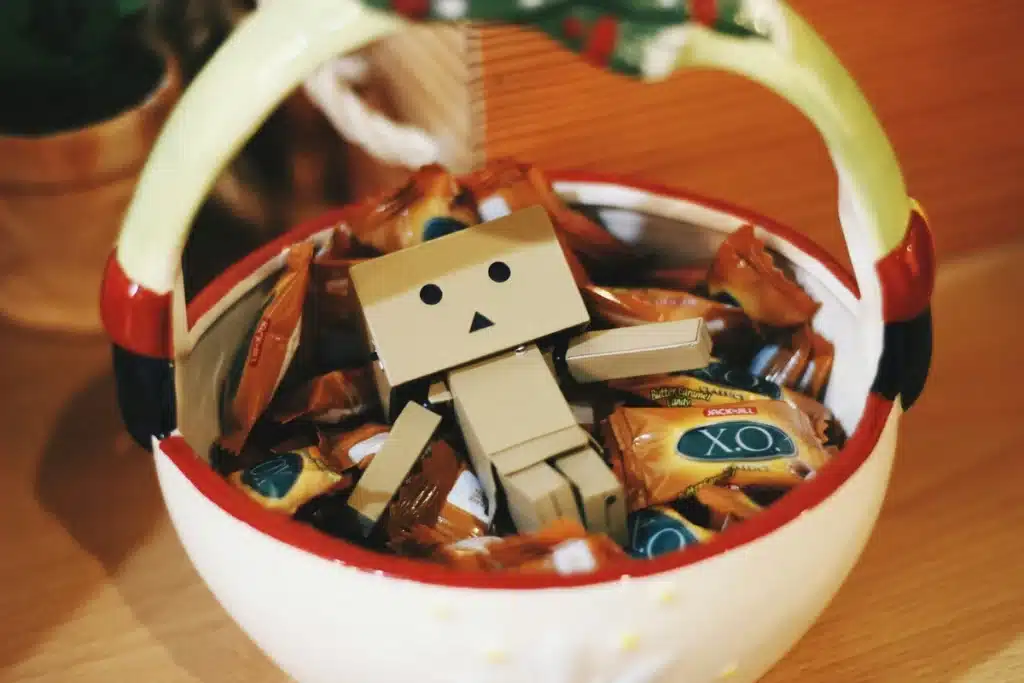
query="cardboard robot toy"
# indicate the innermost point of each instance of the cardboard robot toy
(464, 313)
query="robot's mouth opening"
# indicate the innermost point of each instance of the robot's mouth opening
(480, 322)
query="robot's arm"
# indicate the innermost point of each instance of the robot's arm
(410, 437)
(651, 349)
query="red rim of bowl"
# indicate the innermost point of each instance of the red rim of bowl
(303, 537)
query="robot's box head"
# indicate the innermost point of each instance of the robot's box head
(467, 295)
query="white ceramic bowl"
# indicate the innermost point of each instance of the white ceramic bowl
(325, 611)
(328, 611)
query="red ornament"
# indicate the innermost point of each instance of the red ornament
(414, 9)
(705, 11)
(602, 40)
(572, 28)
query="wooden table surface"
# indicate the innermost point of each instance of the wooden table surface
(944, 79)
(96, 588)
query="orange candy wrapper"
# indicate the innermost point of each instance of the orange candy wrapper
(625, 306)
(333, 309)
(803, 362)
(564, 547)
(744, 270)
(663, 454)
(728, 501)
(332, 290)
(687, 279)
(504, 185)
(440, 496)
(718, 384)
(428, 206)
(732, 332)
(260, 365)
(330, 398)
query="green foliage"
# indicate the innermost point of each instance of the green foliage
(65, 63)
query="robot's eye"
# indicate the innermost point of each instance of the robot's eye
(430, 294)
(499, 271)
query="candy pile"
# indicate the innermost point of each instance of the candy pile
(696, 451)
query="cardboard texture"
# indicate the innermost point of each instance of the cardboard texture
(384, 389)
(507, 407)
(539, 495)
(538, 297)
(598, 491)
(469, 307)
(409, 438)
(584, 413)
(651, 349)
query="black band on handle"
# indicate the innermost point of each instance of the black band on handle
(906, 359)
(145, 393)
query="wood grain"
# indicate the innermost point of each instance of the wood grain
(944, 78)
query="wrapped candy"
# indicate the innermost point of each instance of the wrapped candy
(668, 453)
(443, 496)
(285, 482)
(744, 271)
(732, 332)
(260, 364)
(564, 547)
(429, 205)
(330, 398)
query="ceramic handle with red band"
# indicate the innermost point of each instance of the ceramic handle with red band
(280, 44)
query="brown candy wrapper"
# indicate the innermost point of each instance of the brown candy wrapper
(719, 383)
(715, 384)
(667, 453)
(333, 308)
(331, 284)
(428, 206)
(625, 306)
(333, 295)
(441, 495)
(686, 279)
(344, 246)
(330, 398)
(261, 365)
(285, 482)
(564, 547)
(802, 362)
(744, 270)
(728, 501)
(827, 429)
(732, 332)
(505, 185)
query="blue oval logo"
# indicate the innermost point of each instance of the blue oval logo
(737, 378)
(274, 478)
(653, 533)
(439, 226)
(737, 440)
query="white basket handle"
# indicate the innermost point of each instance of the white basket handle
(279, 46)
(392, 143)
